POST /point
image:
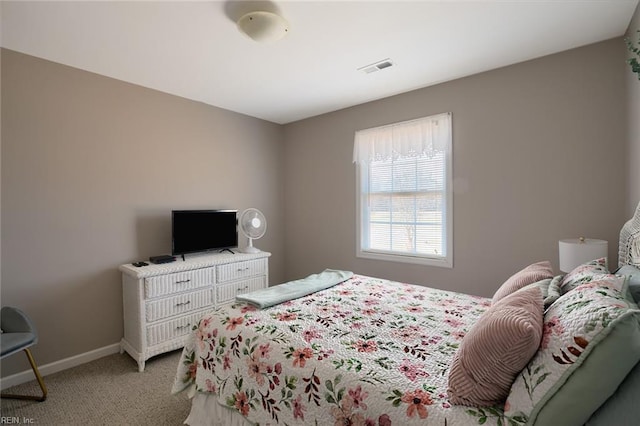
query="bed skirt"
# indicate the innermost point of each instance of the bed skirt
(206, 411)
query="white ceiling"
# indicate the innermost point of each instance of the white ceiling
(194, 50)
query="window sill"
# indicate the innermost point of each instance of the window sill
(404, 258)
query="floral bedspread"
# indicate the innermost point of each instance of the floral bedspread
(364, 352)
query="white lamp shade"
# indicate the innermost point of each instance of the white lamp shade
(263, 26)
(574, 252)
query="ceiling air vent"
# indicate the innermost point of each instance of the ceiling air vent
(377, 66)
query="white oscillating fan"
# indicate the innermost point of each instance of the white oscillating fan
(253, 225)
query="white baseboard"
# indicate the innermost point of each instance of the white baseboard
(54, 367)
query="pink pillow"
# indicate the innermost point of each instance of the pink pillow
(496, 349)
(529, 275)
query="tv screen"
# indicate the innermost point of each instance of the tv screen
(203, 230)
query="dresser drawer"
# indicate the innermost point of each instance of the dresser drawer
(178, 282)
(170, 306)
(226, 293)
(172, 329)
(239, 270)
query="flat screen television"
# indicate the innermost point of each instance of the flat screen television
(203, 230)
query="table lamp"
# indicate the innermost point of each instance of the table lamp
(576, 251)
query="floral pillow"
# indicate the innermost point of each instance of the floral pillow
(591, 340)
(584, 273)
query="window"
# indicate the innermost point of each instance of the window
(404, 191)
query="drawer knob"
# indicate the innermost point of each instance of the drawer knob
(182, 282)
(183, 303)
(181, 327)
(243, 269)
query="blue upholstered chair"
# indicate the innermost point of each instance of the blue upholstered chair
(19, 333)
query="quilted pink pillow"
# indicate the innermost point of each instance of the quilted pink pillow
(496, 349)
(529, 275)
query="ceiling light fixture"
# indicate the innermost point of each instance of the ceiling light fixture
(263, 26)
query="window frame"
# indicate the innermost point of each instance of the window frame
(445, 261)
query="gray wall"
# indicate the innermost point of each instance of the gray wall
(91, 168)
(633, 114)
(538, 156)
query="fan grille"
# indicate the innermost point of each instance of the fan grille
(253, 224)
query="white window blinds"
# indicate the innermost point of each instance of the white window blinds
(404, 191)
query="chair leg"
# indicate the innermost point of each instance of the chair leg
(43, 387)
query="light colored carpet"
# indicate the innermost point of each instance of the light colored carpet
(107, 391)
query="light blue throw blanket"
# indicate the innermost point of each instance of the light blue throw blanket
(294, 289)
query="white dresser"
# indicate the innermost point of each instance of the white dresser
(162, 303)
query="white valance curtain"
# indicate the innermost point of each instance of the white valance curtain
(423, 136)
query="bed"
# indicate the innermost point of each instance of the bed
(368, 351)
